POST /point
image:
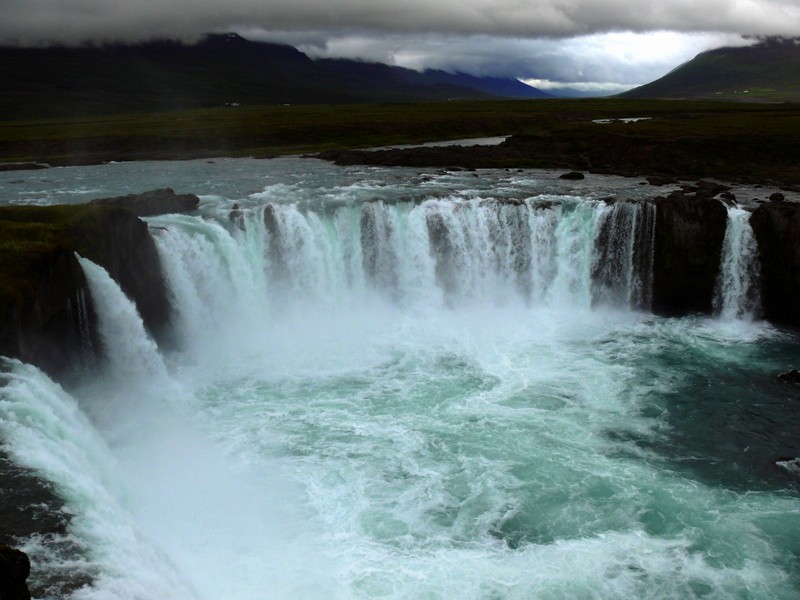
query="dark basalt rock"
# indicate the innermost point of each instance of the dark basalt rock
(237, 216)
(155, 202)
(690, 230)
(14, 570)
(122, 244)
(659, 180)
(572, 176)
(776, 226)
(709, 189)
(777, 197)
(46, 314)
(52, 323)
(792, 377)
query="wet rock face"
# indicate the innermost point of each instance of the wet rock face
(690, 230)
(14, 570)
(46, 315)
(776, 226)
(28, 506)
(55, 329)
(155, 202)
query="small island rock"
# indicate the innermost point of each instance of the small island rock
(155, 202)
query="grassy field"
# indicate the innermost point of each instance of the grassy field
(725, 136)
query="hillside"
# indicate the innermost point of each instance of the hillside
(217, 71)
(768, 71)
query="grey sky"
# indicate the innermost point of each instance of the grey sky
(554, 40)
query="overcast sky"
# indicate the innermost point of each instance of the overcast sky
(600, 44)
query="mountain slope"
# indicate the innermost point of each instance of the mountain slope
(218, 70)
(769, 70)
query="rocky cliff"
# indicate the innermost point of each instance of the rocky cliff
(776, 226)
(46, 315)
(690, 229)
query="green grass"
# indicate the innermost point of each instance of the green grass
(747, 141)
(280, 130)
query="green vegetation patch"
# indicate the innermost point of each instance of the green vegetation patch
(32, 237)
(714, 138)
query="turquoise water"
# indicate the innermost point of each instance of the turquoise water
(424, 402)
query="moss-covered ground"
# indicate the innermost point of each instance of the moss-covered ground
(280, 130)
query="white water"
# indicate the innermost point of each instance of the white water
(737, 292)
(406, 400)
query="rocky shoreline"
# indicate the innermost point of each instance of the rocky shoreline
(618, 149)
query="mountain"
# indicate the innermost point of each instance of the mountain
(219, 70)
(766, 71)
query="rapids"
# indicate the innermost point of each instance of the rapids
(393, 383)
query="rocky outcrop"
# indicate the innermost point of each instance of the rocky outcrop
(122, 244)
(690, 229)
(50, 321)
(14, 570)
(46, 315)
(155, 202)
(791, 377)
(776, 226)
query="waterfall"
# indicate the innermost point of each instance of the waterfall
(45, 429)
(622, 273)
(440, 252)
(390, 384)
(737, 293)
(131, 353)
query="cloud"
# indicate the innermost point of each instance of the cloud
(36, 21)
(602, 62)
(585, 44)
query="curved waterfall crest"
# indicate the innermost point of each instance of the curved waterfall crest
(444, 251)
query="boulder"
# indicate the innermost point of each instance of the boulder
(236, 216)
(792, 377)
(155, 202)
(710, 188)
(659, 180)
(572, 176)
(14, 570)
(776, 197)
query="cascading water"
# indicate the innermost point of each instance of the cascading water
(438, 252)
(403, 386)
(737, 294)
(131, 353)
(622, 272)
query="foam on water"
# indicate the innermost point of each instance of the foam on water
(444, 397)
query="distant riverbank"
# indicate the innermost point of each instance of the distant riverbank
(748, 143)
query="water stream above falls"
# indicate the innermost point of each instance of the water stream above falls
(393, 383)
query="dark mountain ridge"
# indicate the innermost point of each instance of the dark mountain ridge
(218, 70)
(766, 71)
